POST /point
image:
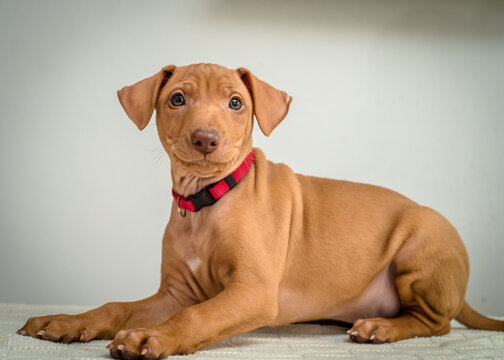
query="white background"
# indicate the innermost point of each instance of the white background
(404, 94)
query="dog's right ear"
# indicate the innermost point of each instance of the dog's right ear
(139, 99)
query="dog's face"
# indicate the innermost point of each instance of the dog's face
(204, 118)
(204, 113)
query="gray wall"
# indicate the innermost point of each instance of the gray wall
(403, 94)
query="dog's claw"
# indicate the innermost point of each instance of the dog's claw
(41, 333)
(354, 333)
(83, 336)
(22, 332)
(372, 337)
(121, 347)
(110, 346)
(145, 350)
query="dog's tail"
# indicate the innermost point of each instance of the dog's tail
(474, 320)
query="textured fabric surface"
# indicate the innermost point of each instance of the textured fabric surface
(285, 342)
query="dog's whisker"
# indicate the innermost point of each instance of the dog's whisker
(159, 154)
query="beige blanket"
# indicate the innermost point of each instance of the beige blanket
(286, 342)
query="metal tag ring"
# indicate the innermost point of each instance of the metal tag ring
(182, 213)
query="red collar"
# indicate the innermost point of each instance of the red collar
(210, 194)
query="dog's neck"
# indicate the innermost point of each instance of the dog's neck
(186, 183)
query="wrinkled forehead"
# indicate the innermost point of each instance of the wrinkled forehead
(206, 78)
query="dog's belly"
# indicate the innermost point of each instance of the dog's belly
(379, 299)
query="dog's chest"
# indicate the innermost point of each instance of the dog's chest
(195, 258)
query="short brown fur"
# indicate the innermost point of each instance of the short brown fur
(279, 247)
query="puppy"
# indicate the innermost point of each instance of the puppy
(250, 244)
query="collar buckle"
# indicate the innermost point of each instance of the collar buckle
(201, 199)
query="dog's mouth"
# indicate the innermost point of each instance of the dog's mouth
(202, 165)
(205, 168)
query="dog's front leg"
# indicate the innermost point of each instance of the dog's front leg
(238, 308)
(103, 322)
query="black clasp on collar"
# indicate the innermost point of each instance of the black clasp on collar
(204, 197)
(201, 199)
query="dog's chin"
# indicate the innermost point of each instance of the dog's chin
(205, 168)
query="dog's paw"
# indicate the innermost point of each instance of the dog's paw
(142, 343)
(375, 331)
(64, 328)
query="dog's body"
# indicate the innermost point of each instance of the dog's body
(277, 248)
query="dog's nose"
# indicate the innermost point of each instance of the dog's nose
(205, 141)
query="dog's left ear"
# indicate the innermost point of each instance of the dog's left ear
(139, 99)
(270, 105)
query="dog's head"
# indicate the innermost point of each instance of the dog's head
(204, 113)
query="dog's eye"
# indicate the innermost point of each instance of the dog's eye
(235, 104)
(178, 100)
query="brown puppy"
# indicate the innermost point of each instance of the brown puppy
(276, 247)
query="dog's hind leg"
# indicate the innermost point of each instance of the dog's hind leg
(433, 269)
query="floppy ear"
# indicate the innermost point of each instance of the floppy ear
(270, 105)
(139, 100)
